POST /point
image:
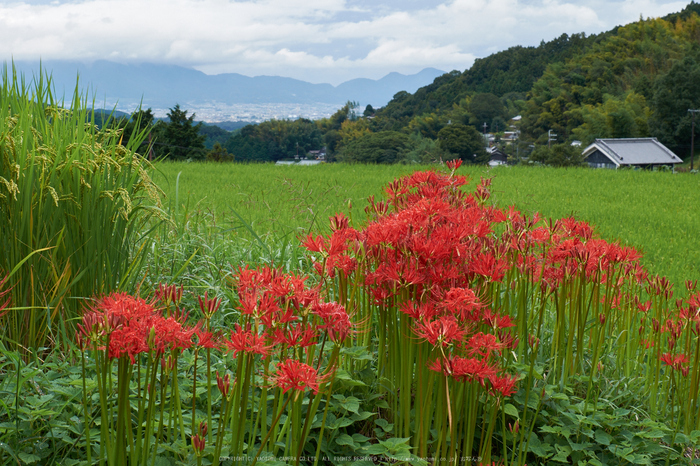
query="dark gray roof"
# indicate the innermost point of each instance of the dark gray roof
(634, 151)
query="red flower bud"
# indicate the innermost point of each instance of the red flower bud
(224, 384)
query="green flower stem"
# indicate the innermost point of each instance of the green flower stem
(323, 424)
(209, 392)
(151, 390)
(224, 414)
(267, 437)
(87, 421)
(194, 392)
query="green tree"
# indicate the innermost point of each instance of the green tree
(219, 154)
(464, 142)
(675, 93)
(558, 155)
(245, 147)
(425, 151)
(484, 108)
(179, 138)
(617, 117)
(384, 147)
(213, 134)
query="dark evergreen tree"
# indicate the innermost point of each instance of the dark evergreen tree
(179, 138)
(676, 92)
(219, 154)
(484, 108)
(464, 142)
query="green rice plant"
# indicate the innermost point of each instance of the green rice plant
(73, 205)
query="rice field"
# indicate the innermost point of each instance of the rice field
(656, 212)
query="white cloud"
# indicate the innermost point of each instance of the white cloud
(280, 36)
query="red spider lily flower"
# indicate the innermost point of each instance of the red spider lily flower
(515, 427)
(488, 267)
(454, 164)
(93, 326)
(208, 340)
(339, 222)
(660, 286)
(464, 303)
(580, 229)
(677, 362)
(484, 344)
(269, 304)
(169, 294)
(497, 321)
(171, 335)
(342, 262)
(540, 235)
(129, 323)
(295, 375)
(643, 307)
(168, 363)
(694, 302)
(224, 384)
(464, 369)
(198, 444)
(336, 321)
(199, 440)
(121, 309)
(508, 339)
(248, 303)
(533, 342)
(400, 273)
(246, 341)
(377, 208)
(295, 335)
(483, 192)
(418, 311)
(503, 385)
(4, 305)
(208, 306)
(647, 343)
(81, 341)
(442, 331)
(317, 244)
(601, 318)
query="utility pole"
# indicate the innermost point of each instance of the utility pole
(486, 141)
(692, 138)
(550, 138)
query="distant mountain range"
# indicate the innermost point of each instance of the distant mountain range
(162, 86)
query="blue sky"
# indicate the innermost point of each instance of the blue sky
(314, 40)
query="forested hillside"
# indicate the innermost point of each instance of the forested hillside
(637, 80)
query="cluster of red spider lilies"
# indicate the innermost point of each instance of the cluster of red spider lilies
(463, 304)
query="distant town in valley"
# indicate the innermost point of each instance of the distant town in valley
(251, 113)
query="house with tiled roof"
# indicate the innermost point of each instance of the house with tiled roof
(629, 152)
